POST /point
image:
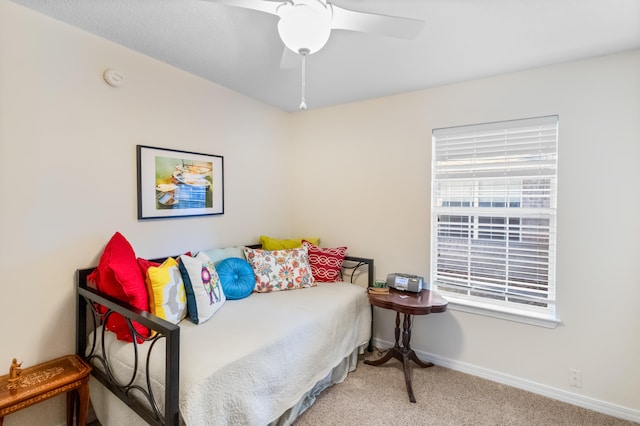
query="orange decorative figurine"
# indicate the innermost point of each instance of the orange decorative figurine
(14, 375)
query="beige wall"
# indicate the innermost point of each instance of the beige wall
(68, 172)
(356, 174)
(379, 152)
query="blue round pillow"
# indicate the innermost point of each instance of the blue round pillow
(237, 278)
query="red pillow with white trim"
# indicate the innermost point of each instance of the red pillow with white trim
(325, 263)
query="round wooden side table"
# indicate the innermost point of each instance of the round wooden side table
(408, 304)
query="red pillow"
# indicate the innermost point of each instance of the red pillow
(119, 276)
(145, 264)
(325, 263)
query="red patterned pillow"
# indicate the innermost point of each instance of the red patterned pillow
(326, 263)
(119, 276)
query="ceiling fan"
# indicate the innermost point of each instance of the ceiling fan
(305, 25)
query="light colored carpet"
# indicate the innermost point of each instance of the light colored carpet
(377, 395)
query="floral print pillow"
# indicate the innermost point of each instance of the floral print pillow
(278, 270)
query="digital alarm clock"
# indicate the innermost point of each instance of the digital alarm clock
(405, 282)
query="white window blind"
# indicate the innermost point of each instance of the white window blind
(494, 214)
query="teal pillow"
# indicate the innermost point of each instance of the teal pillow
(237, 278)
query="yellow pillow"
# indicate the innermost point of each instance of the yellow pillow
(269, 243)
(167, 296)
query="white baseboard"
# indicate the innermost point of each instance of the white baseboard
(537, 388)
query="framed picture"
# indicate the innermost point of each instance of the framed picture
(173, 183)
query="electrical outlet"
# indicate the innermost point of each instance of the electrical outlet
(575, 378)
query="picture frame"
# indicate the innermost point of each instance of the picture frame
(174, 183)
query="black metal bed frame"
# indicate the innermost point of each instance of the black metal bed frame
(88, 319)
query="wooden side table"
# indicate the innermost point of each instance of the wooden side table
(408, 304)
(68, 374)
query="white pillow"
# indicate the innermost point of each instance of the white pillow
(217, 255)
(202, 285)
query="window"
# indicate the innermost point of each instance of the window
(493, 216)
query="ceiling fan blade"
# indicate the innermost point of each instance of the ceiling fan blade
(260, 5)
(289, 59)
(392, 26)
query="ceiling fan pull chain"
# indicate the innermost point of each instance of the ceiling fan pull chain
(303, 102)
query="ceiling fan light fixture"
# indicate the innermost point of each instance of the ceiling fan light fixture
(304, 27)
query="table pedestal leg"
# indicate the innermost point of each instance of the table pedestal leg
(83, 401)
(78, 404)
(71, 406)
(403, 353)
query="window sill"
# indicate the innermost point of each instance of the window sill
(526, 318)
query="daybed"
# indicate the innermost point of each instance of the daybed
(259, 360)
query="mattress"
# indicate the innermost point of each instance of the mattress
(255, 359)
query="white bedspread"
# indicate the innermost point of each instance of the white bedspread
(258, 356)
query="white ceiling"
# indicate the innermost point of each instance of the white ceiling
(462, 40)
